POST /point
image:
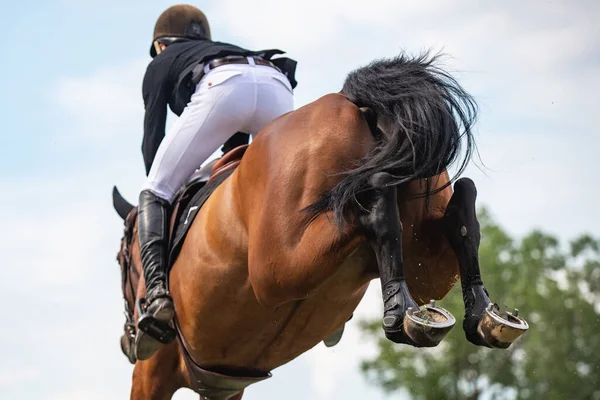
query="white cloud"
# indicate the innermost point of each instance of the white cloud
(79, 394)
(530, 65)
(17, 376)
(539, 179)
(56, 241)
(105, 104)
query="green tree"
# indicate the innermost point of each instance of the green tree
(557, 289)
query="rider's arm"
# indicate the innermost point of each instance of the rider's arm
(155, 92)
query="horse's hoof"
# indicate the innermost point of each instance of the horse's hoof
(145, 345)
(500, 330)
(127, 348)
(393, 327)
(429, 325)
(335, 337)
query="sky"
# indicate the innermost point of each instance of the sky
(72, 111)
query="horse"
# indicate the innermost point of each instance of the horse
(349, 188)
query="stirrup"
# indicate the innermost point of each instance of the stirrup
(154, 327)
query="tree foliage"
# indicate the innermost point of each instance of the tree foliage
(557, 289)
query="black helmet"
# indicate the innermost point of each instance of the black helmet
(180, 21)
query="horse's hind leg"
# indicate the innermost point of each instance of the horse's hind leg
(159, 377)
(402, 320)
(483, 323)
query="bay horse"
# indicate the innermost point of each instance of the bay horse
(349, 188)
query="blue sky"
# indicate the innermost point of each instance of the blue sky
(72, 112)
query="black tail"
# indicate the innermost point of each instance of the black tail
(122, 206)
(424, 115)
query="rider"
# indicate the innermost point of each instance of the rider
(217, 90)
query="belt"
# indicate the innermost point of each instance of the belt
(218, 62)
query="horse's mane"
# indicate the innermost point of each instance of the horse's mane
(426, 118)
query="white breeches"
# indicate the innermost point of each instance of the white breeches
(229, 99)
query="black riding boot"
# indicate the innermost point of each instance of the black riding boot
(153, 222)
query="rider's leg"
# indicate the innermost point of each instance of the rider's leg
(225, 102)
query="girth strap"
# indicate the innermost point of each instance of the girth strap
(213, 385)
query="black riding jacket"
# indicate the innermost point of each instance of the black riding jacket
(168, 81)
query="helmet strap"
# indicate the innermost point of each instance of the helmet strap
(157, 47)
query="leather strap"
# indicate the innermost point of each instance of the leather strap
(199, 71)
(217, 62)
(213, 385)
